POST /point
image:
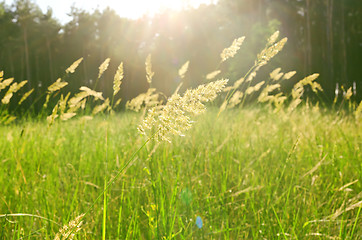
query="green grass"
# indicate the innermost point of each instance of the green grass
(249, 174)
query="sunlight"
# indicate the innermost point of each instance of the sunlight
(137, 8)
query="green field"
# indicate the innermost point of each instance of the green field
(248, 174)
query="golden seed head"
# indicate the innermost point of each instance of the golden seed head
(101, 107)
(90, 92)
(103, 67)
(235, 99)
(146, 100)
(212, 75)
(69, 230)
(118, 79)
(6, 83)
(269, 52)
(57, 85)
(289, 75)
(182, 71)
(232, 50)
(25, 96)
(149, 73)
(12, 89)
(272, 39)
(173, 117)
(348, 94)
(74, 66)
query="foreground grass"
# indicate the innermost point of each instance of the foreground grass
(248, 174)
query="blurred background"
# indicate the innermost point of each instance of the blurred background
(38, 41)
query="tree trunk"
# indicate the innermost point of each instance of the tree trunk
(26, 48)
(308, 52)
(50, 59)
(11, 62)
(343, 48)
(85, 70)
(330, 62)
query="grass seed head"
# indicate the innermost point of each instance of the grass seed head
(173, 117)
(269, 52)
(57, 85)
(12, 89)
(101, 107)
(289, 75)
(69, 230)
(6, 83)
(182, 71)
(90, 92)
(148, 99)
(118, 79)
(272, 39)
(212, 75)
(74, 66)
(149, 73)
(232, 50)
(235, 99)
(103, 67)
(25, 96)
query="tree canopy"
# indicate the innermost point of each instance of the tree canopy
(324, 36)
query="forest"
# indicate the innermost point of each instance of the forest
(324, 36)
(234, 120)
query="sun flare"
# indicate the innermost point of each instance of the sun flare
(137, 8)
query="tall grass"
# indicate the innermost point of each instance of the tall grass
(257, 176)
(284, 169)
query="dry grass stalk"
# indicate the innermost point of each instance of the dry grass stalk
(232, 50)
(57, 85)
(90, 92)
(269, 52)
(117, 102)
(236, 85)
(77, 98)
(358, 112)
(73, 108)
(264, 95)
(172, 118)
(101, 107)
(348, 94)
(118, 79)
(69, 230)
(25, 96)
(74, 66)
(235, 99)
(298, 89)
(4, 84)
(212, 75)
(182, 71)
(146, 100)
(12, 89)
(255, 88)
(149, 73)
(272, 39)
(273, 75)
(51, 118)
(289, 75)
(63, 103)
(103, 67)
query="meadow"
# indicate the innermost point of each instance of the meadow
(250, 173)
(281, 168)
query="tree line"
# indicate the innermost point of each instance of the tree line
(325, 36)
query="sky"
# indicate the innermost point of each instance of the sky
(125, 8)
